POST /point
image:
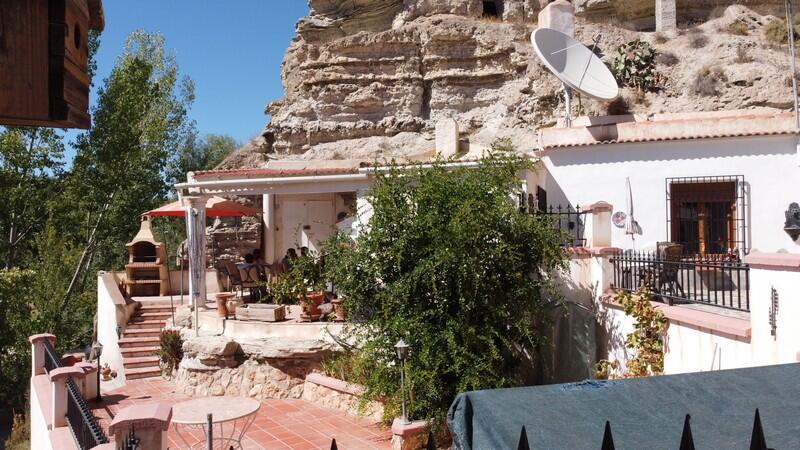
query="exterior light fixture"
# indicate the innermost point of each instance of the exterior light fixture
(792, 224)
(97, 349)
(401, 350)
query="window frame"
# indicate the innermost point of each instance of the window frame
(740, 226)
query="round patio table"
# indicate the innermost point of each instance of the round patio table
(231, 417)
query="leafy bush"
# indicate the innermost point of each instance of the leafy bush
(738, 28)
(667, 58)
(170, 351)
(450, 265)
(646, 341)
(706, 81)
(635, 65)
(304, 275)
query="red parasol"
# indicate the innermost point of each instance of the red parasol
(215, 207)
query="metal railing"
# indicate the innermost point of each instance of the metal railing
(571, 221)
(81, 421)
(711, 280)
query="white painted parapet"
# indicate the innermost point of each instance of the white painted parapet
(37, 351)
(113, 313)
(597, 229)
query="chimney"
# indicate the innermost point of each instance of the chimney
(558, 15)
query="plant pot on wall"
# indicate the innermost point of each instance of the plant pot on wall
(338, 308)
(310, 303)
(222, 299)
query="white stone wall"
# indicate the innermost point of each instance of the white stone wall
(768, 164)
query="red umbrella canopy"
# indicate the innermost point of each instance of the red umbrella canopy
(215, 207)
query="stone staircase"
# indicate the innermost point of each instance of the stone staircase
(139, 342)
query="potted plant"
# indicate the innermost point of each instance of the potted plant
(307, 274)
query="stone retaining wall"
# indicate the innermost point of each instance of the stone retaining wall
(337, 394)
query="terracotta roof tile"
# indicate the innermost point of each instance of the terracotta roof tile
(267, 172)
(670, 127)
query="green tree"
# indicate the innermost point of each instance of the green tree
(140, 124)
(31, 161)
(450, 265)
(200, 154)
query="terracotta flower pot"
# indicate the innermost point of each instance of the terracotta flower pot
(310, 304)
(338, 308)
(222, 299)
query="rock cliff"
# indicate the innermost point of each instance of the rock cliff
(370, 78)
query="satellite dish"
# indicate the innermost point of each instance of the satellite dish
(575, 65)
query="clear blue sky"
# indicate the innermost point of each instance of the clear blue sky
(231, 49)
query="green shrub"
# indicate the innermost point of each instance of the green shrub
(450, 265)
(776, 33)
(635, 65)
(738, 28)
(707, 80)
(170, 351)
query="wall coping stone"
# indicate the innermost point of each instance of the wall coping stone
(42, 337)
(585, 252)
(87, 367)
(64, 372)
(702, 319)
(774, 261)
(414, 428)
(334, 383)
(154, 416)
(597, 207)
(62, 439)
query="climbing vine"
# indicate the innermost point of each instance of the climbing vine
(646, 341)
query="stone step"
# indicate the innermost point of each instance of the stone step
(151, 315)
(141, 332)
(142, 372)
(133, 352)
(128, 342)
(155, 308)
(140, 361)
(141, 323)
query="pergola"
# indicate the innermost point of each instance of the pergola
(200, 186)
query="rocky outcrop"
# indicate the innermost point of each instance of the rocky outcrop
(367, 79)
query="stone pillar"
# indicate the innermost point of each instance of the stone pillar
(597, 229)
(666, 15)
(89, 385)
(37, 352)
(410, 436)
(447, 138)
(58, 378)
(559, 15)
(150, 422)
(196, 227)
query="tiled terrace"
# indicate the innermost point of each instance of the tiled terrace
(279, 424)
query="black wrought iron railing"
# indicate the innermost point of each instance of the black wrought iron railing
(81, 421)
(129, 441)
(571, 221)
(51, 359)
(711, 280)
(85, 430)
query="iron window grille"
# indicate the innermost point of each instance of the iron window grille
(708, 215)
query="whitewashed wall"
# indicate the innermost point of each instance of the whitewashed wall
(769, 165)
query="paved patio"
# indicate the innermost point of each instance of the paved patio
(279, 424)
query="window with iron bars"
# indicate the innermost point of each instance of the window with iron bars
(708, 215)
